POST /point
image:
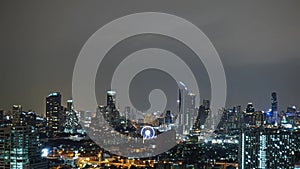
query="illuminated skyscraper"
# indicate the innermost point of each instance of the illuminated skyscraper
(20, 148)
(250, 109)
(111, 99)
(54, 114)
(186, 108)
(274, 109)
(291, 115)
(267, 148)
(201, 117)
(249, 117)
(71, 125)
(274, 101)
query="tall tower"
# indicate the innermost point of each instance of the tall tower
(201, 117)
(274, 108)
(127, 113)
(111, 99)
(186, 109)
(168, 117)
(53, 113)
(274, 101)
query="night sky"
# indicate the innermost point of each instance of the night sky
(257, 41)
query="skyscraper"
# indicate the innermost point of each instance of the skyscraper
(274, 109)
(201, 118)
(249, 117)
(168, 117)
(69, 105)
(128, 113)
(186, 107)
(274, 102)
(16, 112)
(20, 148)
(111, 99)
(267, 148)
(53, 114)
(250, 109)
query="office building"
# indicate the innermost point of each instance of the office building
(69, 105)
(274, 109)
(111, 99)
(186, 109)
(28, 119)
(201, 118)
(20, 148)
(54, 114)
(267, 148)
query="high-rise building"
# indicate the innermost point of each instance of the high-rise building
(72, 123)
(240, 117)
(191, 109)
(168, 117)
(274, 108)
(16, 112)
(250, 108)
(113, 113)
(259, 118)
(206, 104)
(20, 148)
(54, 114)
(40, 124)
(201, 117)
(111, 99)
(28, 118)
(291, 115)
(186, 108)
(69, 105)
(127, 113)
(249, 117)
(267, 148)
(274, 101)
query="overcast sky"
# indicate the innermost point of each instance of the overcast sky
(258, 43)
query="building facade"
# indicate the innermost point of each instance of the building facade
(54, 114)
(20, 148)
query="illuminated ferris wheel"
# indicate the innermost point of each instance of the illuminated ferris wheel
(148, 132)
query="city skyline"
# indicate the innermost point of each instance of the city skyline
(65, 104)
(149, 84)
(242, 138)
